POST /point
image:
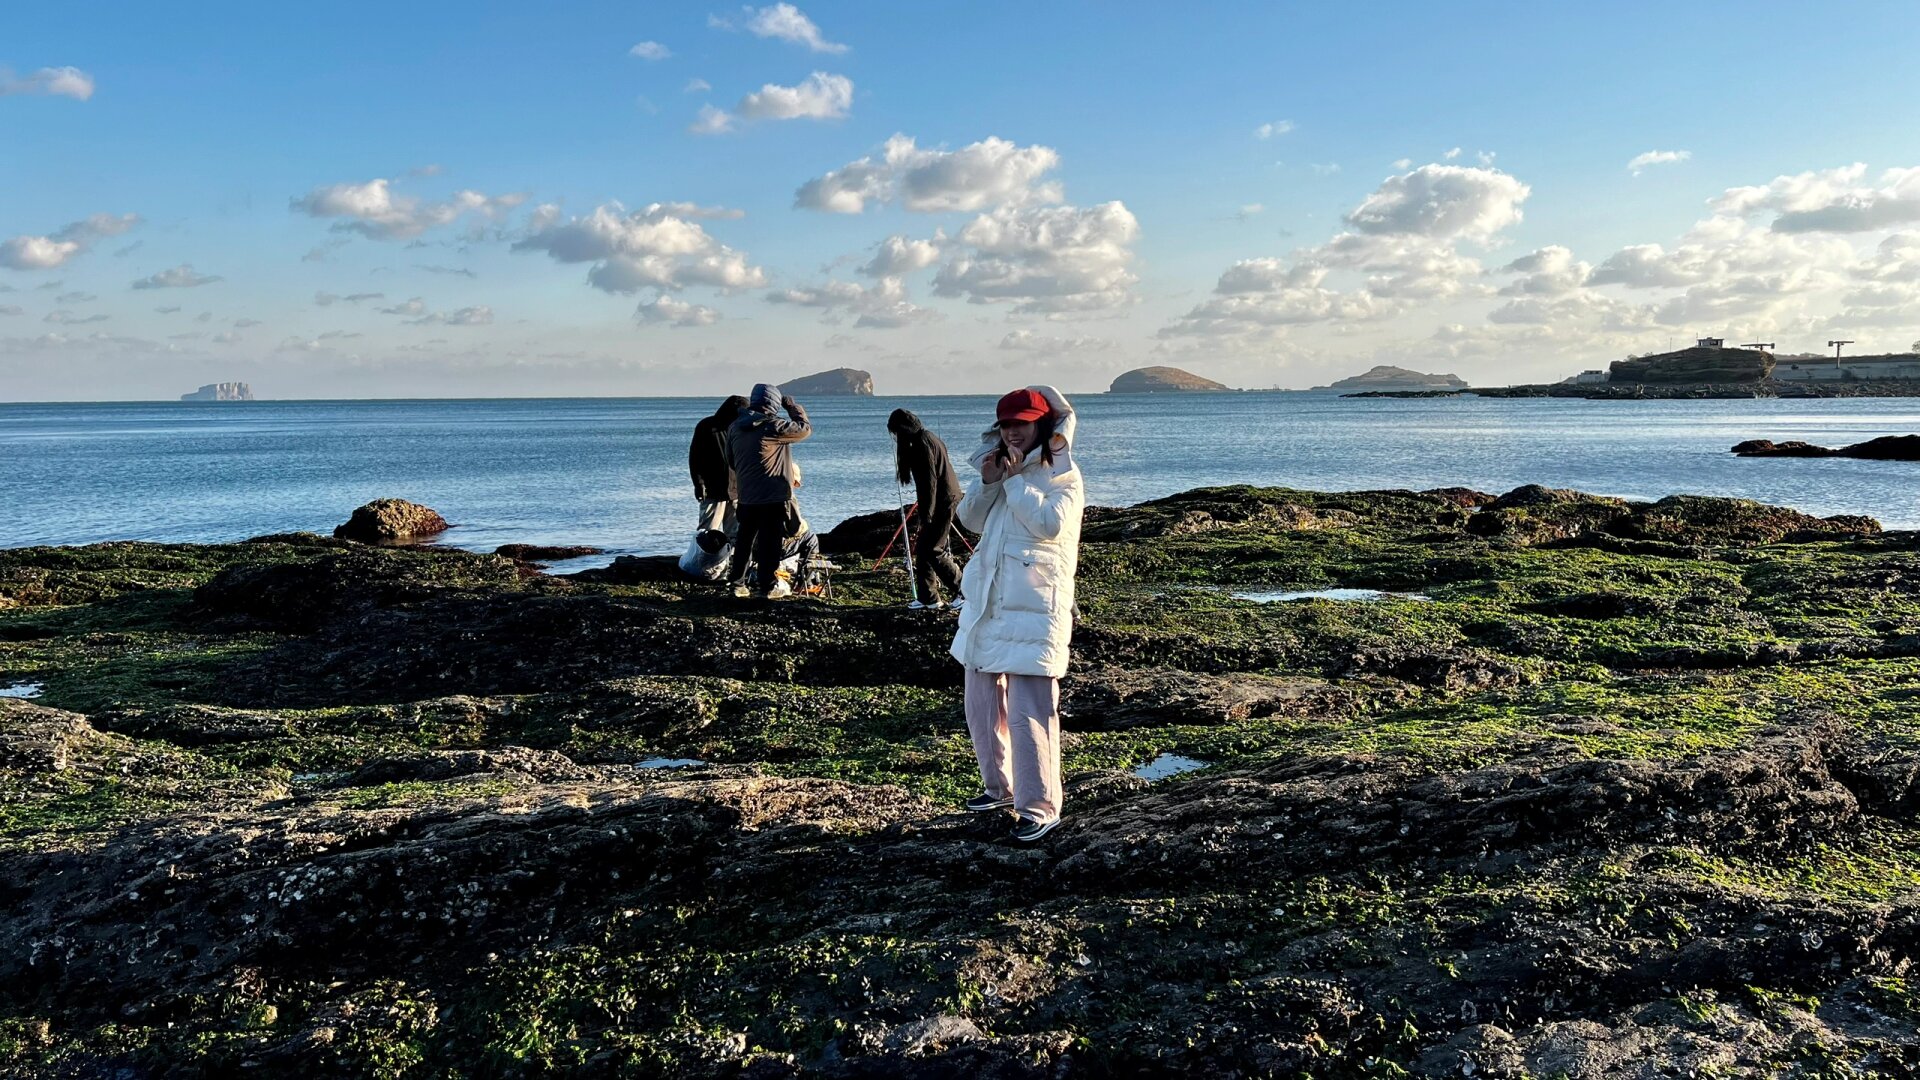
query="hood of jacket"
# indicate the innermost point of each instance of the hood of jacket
(905, 424)
(766, 397)
(1065, 423)
(729, 409)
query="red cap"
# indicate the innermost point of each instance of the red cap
(1022, 405)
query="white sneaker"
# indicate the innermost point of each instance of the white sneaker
(915, 605)
(958, 603)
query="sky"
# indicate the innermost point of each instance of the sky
(438, 200)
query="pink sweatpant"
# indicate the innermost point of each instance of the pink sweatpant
(1017, 717)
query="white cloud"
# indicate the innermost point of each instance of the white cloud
(413, 307)
(711, 120)
(1249, 210)
(56, 248)
(788, 23)
(1451, 154)
(657, 247)
(1269, 130)
(1442, 201)
(991, 172)
(36, 252)
(650, 50)
(1641, 162)
(666, 310)
(1034, 341)
(479, 315)
(1550, 271)
(1403, 253)
(373, 210)
(48, 82)
(226, 337)
(696, 86)
(1403, 164)
(68, 318)
(1046, 260)
(819, 96)
(1831, 200)
(883, 305)
(180, 277)
(325, 299)
(898, 255)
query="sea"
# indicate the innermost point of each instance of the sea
(612, 472)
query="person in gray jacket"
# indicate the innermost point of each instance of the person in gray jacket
(760, 448)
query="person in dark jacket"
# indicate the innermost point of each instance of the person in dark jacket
(920, 457)
(760, 447)
(712, 476)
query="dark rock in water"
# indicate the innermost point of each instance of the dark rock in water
(1159, 380)
(543, 553)
(635, 570)
(386, 520)
(840, 382)
(867, 534)
(1884, 448)
(861, 534)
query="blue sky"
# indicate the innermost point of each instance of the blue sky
(1268, 194)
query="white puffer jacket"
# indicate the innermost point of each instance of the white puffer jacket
(1018, 618)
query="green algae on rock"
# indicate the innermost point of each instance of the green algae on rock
(1633, 788)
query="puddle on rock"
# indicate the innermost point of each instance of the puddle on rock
(21, 690)
(1168, 765)
(1346, 595)
(668, 763)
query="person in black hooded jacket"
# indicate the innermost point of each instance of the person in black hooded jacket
(713, 475)
(920, 457)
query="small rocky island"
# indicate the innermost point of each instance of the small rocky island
(221, 391)
(1387, 377)
(1160, 380)
(1590, 788)
(840, 382)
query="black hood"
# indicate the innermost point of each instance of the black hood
(905, 424)
(730, 409)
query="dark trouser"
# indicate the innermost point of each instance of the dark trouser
(932, 557)
(763, 532)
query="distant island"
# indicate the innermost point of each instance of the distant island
(1388, 377)
(1160, 380)
(221, 391)
(1712, 369)
(840, 382)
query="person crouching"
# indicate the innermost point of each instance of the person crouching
(1017, 625)
(760, 446)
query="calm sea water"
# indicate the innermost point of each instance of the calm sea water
(612, 472)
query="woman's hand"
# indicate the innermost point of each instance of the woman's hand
(993, 468)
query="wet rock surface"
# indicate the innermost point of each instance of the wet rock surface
(388, 520)
(1632, 792)
(1883, 448)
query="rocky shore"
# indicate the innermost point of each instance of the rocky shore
(1596, 789)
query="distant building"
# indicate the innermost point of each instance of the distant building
(1710, 343)
(1807, 368)
(1592, 375)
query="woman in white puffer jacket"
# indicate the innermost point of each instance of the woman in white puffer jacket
(1018, 620)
